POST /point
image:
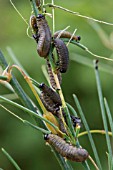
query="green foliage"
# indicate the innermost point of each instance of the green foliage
(79, 80)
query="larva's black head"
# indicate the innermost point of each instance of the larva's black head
(76, 121)
(62, 71)
(41, 85)
(46, 137)
(40, 16)
(79, 38)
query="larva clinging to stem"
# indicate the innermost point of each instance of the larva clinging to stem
(50, 99)
(63, 55)
(65, 149)
(44, 33)
(51, 76)
(66, 34)
(33, 23)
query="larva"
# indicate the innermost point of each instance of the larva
(50, 98)
(51, 77)
(44, 33)
(48, 103)
(33, 25)
(66, 34)
(61, 123)
(65, 149)
(75, 120)
(63, 54)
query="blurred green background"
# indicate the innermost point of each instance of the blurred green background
(26, 145)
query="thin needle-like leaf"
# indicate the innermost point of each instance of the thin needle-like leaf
(26, 122)
(26, 101)
(87, 129)
(109, 115)
(101, 100)
(11, 159)
(111, 126)
(88, 62)
(64, 164)
(27, 110)
(72, 109)
(15, 60)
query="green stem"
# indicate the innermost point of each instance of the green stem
(88, 130)
(34, 7)
(85, 165)
(68, 118)
(64, 164)
(43, 8)
(16, 86)
(28, 111)
(11, 159)
(69, 122)
(101, 100)
(86, 49)
(26, 101)
(59, 7)
(88, 62)
(35, 83)
(3, 78)
(109, 115)
(77, 14)
(70, 129)
(26, 122)
(72, 109)
(53, 16)
(36, 127)
(15, 60)
(75, 43)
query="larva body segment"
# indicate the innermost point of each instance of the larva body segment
(75, 120)
(51, 76)
(48, 103)
(67, 150)
(51, 93)
(50, 98)
(33, 23)
(66, 34)
(44, 33)
(63, 54)
(61, 122)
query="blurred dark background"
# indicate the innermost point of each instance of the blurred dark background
(25, 144)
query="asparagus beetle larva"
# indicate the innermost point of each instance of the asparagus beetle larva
(66, 34)
(65, 149)
(44, 33)
(63, 54)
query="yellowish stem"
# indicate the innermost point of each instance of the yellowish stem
(30, 85)
(60, 91)
(102, 132)
(28, 80)
(93, 162)
(35, 93)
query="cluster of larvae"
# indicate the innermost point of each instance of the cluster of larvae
(49, 96)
